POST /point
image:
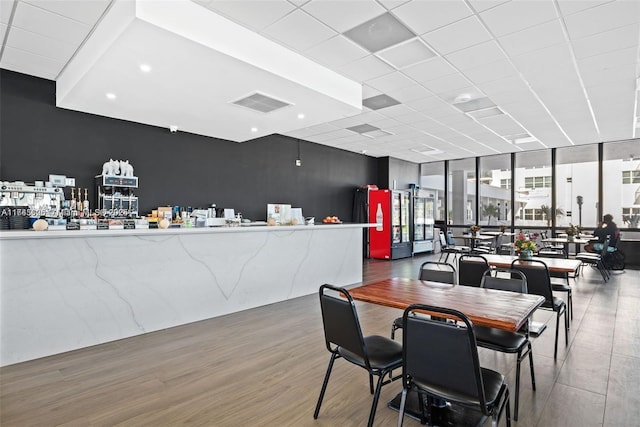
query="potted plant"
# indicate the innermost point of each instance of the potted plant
(571, 231)
(475, 230)
(524, 246)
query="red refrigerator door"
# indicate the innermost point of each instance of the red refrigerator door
(380, 237)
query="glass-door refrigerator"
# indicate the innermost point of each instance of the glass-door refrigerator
(423, 220)
(391, 209)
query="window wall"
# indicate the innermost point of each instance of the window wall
(533, 185)
(432, 178)
(461, 194)
(576, 184)
(621, 179)
(551, 188)
(495, 190)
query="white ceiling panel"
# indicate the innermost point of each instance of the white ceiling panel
(534, 38)
(528, 70)
(49, 24)
(40, 45)
(500, 19)
(84, 11)
(299, 31)
(6, 7)
(480, 54)
(366, 68)
(26, 62)
(336, 52)
(459, 35)
(254, 14)
(429, 70)
(410, 93)
(343, 15)
(598, 44)
(602, 18)
(424, 16)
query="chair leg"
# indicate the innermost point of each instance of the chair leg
(533, 375)
(515, 411)
(324, 385)
(371, 383)
(376, 397)
(555, 349)
(566, 328)
(403, 401)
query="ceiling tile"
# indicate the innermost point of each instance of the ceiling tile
(503, 125)
(336, 52)
(253, 14)
(6, 7)
(392, 4)
(481, 5)
(427, 103)
(84, 11)
(368, 91)
(40, 45)
(424, 16)
(459, 35)
(30, 63)
(517, 15)
(447, 83)
(410, 93)
(429, 70)
(299, 31)
(618, 38)
(540, 59)
(602, 18)
(490, 72)
(574, 6)
(480, 54)
(344, 14)
(49, 24)
(3, 30)
(390, 82)
(616, 64)
(533, 38)
(366, 68)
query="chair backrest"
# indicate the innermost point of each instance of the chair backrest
(538, 279)
(552, 253)
(470, 269)
(450, 240)
(443, 241)
(505, 279)
(437, 272)
(340, 321)
(442, 356)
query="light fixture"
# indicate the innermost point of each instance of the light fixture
(145, 68)
(254, 129)
(111, 96)
(301, 116)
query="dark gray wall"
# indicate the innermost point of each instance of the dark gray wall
(37, 139)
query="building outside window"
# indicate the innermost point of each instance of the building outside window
(495, 190)
(537, 182)
(432, 178)
(505, 183)
(621, 159)
(576, 186)
(461, 192)
(532, 202)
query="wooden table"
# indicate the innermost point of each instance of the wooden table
(484, 307)
(556, 265)
(474, 238)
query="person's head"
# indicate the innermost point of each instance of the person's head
(607, 218)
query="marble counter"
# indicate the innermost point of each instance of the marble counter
(67, 290)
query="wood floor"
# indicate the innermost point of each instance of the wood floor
(264, 367)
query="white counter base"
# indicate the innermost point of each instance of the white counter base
(60, 294)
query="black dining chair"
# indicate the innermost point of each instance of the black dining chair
(440, 360)
(561, 285)
(471, 268)
(539, 283)
(597, 259)
(379, 356)
(431, 271)
(506, 341)
(448, 247)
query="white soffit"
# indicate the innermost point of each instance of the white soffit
(200, 64)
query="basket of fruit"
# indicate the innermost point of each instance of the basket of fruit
(331, 220)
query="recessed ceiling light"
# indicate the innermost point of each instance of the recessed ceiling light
(301, 116)
(254, 129)
(145, 68)
(111, 96)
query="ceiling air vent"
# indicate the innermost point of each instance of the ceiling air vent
(260, 102)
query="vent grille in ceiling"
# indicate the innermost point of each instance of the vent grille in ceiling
(260, 102)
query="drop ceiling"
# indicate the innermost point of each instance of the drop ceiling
(467, 77)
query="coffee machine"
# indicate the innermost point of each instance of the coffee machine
(19, 201)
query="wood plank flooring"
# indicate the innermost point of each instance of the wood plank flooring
(264, 367)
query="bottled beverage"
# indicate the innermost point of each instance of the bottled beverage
(379, 217)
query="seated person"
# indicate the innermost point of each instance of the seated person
(606, 228)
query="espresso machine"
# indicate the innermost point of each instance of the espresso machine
(19, 201)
